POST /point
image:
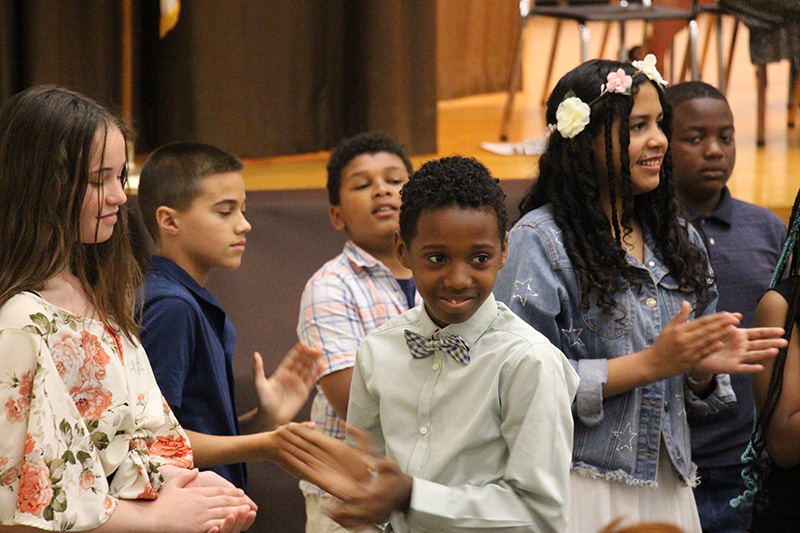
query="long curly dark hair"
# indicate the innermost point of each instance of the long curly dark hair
(569, 181)
(757, 463)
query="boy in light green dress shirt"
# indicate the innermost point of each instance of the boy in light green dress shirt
(467, 406)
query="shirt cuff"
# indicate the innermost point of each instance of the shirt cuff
(721, 397)
(593, 375)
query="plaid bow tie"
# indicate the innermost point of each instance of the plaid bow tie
(421, 347)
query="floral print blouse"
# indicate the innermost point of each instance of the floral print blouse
(83, 422)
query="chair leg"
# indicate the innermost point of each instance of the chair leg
(761, 106)
(729, 62)
(706, 44)
(795, 99)
(513, 83)
(693, 48)
(604, 42)
(723, 81)
(549, 73)
(583, 29)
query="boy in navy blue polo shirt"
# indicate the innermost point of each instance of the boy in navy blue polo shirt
(744, 242)
(192, 199)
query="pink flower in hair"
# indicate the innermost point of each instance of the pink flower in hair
(619, 82)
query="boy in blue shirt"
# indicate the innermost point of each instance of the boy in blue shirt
(470, 406)
(744, 242)
(192, 199)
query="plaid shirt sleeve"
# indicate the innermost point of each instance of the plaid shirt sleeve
(330, 320)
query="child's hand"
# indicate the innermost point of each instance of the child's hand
(192, 508)
(327, 462)
(711, 344)
(286, 391)
(682, 344)
(389, 490)
(744, 351)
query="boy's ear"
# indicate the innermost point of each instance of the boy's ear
(335, 212)
(401, 250)
(504, 253)
(167, 220)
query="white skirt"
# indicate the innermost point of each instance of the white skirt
(596, 502)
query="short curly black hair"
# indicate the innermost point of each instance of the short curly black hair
(454, 181)
(349, 149)
(692, 90)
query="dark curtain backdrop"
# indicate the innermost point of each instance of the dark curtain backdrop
(257, 78)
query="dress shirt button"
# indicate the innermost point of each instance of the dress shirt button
(651, 263)
(435, 366)
(650, 302)
(423, 431)
(711, 241)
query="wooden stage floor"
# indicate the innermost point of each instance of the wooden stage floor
(768, 176)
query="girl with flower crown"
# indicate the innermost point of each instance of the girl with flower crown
(602, 265)
(87, 440)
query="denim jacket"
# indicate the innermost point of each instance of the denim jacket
(616, 438)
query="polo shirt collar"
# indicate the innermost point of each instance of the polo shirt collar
(169, 269)
(723, 212)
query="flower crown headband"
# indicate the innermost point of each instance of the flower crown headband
(572, 114)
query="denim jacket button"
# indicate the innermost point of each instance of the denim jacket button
(666, 406)
(650, 302)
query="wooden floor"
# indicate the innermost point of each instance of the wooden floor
(768, 176)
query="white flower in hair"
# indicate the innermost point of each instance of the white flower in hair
(647, 66)
(572, 116)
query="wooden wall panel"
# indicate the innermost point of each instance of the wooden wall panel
(475, 41)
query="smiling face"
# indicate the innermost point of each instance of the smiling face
(369, 200)
(703, 151)
(647, 146)
(454, 256)
(210, 233)
(104, 192)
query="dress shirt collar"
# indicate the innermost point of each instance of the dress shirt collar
(470, 331)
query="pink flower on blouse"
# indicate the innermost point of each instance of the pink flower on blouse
(91, 399)
(68, 356)
(35, 492)
(17, 407)
(87, 480)
(618, 82)
(148, 493)
(30, 444)
(97, 358)
(174, 449)
(10, 476)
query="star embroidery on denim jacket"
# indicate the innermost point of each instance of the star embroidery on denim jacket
(573, 336)
(527, 291)
(679, 401)
(556, 235)
(621, 435)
